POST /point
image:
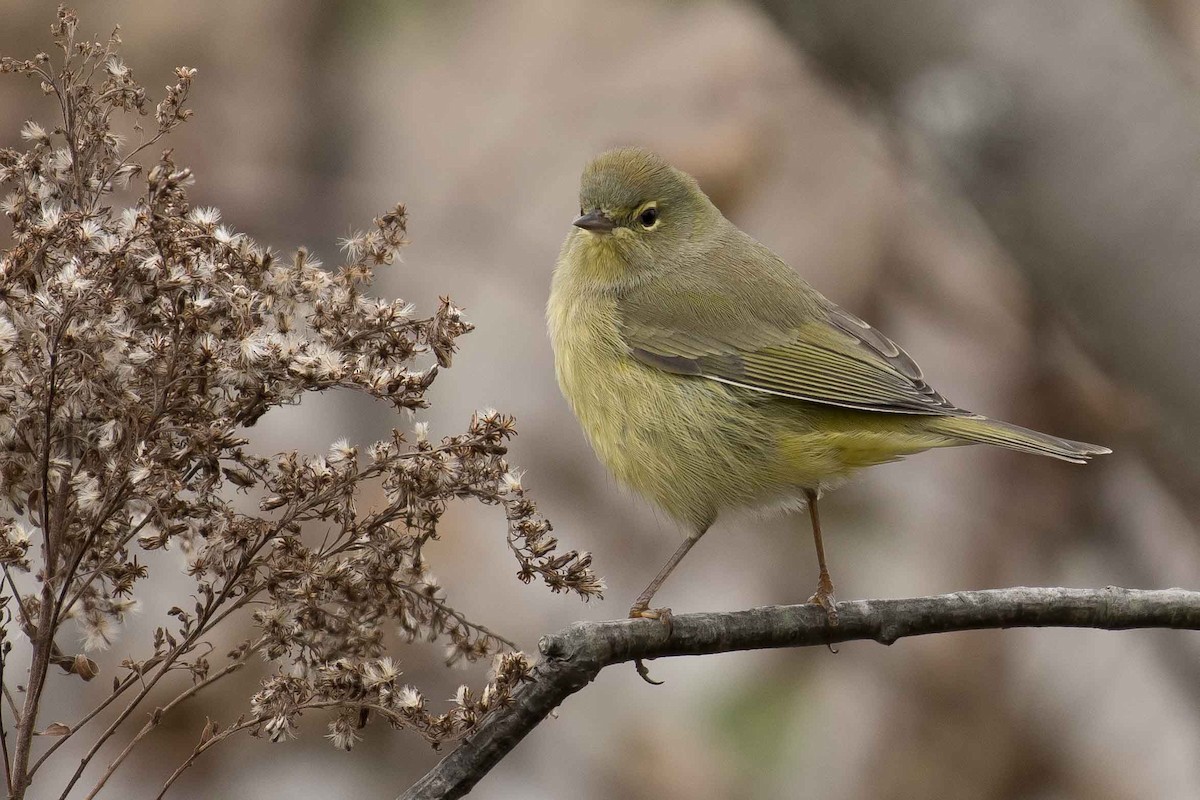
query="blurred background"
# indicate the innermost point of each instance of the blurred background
(1011, 190)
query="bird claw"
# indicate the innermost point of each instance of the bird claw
(663, 614)
(645, 673)
(665, 617)
(825, 599)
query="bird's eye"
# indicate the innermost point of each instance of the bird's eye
(648, 217)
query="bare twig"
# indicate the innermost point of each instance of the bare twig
(119, 689)
(203, 627)
(159, 713)
(12, 703)
(43, 639)
(39, 665)
(458, 616)
(200, 748)
(26, 622)
(3, 727)
(573, 657)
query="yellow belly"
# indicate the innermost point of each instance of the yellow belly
(696, 446)
(688, 444)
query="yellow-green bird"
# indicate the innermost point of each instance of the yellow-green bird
(709, 376)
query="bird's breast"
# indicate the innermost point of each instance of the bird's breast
(666, 436)
(590, 363)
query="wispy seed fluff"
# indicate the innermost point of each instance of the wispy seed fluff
(166, 335)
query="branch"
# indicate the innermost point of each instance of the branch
(572, 658)
(241, 725)
(159, 713)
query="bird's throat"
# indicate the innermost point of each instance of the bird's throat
(601, 258)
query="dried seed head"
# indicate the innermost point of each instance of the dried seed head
(136, 345)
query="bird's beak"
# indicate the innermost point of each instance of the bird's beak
(594, 221)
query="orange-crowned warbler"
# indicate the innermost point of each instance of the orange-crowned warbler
(708, 375)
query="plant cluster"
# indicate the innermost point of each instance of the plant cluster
(139, 338)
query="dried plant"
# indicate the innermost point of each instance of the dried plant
(136, 345)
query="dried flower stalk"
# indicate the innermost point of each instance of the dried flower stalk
(137, 343)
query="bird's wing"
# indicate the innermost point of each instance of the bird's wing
(790, 342)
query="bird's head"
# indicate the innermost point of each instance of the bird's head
(638, 214)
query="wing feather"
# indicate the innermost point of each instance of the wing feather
(794, 344)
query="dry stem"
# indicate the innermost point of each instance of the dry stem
(573, 657)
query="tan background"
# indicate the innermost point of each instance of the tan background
(311, 117)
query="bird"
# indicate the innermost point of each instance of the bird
(708, 375)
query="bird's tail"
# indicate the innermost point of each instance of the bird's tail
(1014, 437)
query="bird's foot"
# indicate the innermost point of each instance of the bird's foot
(642, 612)
(663, 615)
(825, 599)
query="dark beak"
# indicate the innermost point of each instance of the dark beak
(594, 221)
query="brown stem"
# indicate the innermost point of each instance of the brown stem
(67, 603)
(572, 658)
(159, 713)
(203, 626)
(38, 666)
(12, 704)
(26, 623)
(43, 638)
(48, 544)
(167, 663)
(122, 687)
(458, 616)
(220, 737)
(8, 782)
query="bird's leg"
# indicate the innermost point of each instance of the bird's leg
(641, 607)
(824, 594)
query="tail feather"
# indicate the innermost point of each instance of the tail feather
(1014, 437)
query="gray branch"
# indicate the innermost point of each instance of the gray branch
(572, 658)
